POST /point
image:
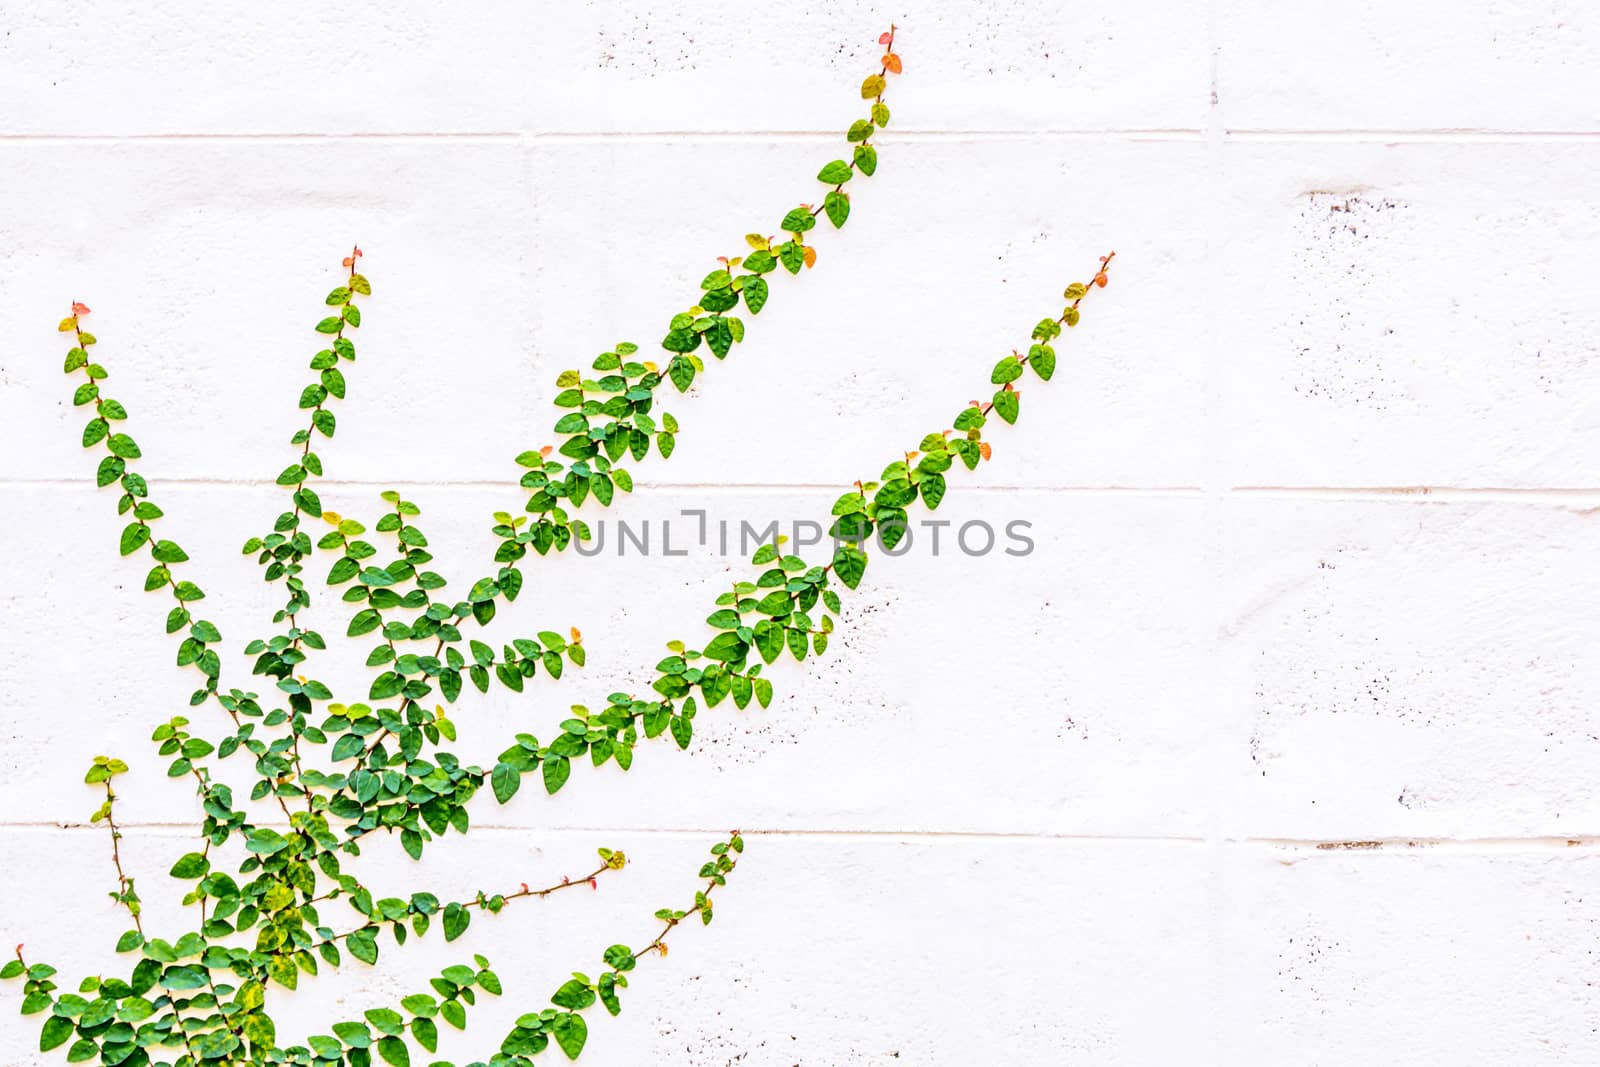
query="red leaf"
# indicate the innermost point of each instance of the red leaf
(885, 37)
(79, 309)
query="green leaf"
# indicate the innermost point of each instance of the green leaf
(386, 1020)
(168, 552)
(184, 978)
(363, 946)
(849, 563)
(420, 1004)
(1006, 405)
(571, 1033)
(505, 779)
(192, 865)
(426, 1032)
(682, 730)
(123, 446)
(866, 159)
(456, 919)
(798, 221)
(837, 207)
(1042, 358)
(573, 994)
(835, 173)
(356, 1035)
(681, 371)
(134, 535)
(792, 255)
(726, 647)
(1008, 369)
(57, 1030)
(755, 292)
(971, 418)
(557, 769)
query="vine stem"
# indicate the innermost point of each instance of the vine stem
(294, 623)
(123, 881)
(171, 583)
(1099, 280)
(480, 901)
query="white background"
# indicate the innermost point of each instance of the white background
(1281, 748)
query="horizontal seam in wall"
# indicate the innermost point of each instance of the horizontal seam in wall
(1443, 135)
(1559, 495)
(1440, 135)
(590, 136)
(1377, 844)
(77, 484)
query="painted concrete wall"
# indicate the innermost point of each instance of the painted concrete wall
(1279, 748)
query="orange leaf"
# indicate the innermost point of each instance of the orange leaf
(810, 256)
(891, 63)
(347, 262)
(1100, 279)
(984, 450)
(577, 636)
(546, 450)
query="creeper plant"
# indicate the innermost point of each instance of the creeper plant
(272, 896)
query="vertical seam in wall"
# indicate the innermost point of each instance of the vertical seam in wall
(1214, 483)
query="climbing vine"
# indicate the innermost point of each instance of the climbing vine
(273, 903)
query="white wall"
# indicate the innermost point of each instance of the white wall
(1280, 749)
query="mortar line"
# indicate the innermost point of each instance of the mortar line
(589, 136)
(1439, 135)
(1214, 478)
(1533, 842)
(1442, 134)
(76, 484)
(1420, 492)
(1553, 494)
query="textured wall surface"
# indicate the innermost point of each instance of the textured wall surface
(1282, 745)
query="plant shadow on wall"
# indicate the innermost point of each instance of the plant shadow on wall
(273, 902)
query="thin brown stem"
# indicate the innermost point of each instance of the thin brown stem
(124, 883)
